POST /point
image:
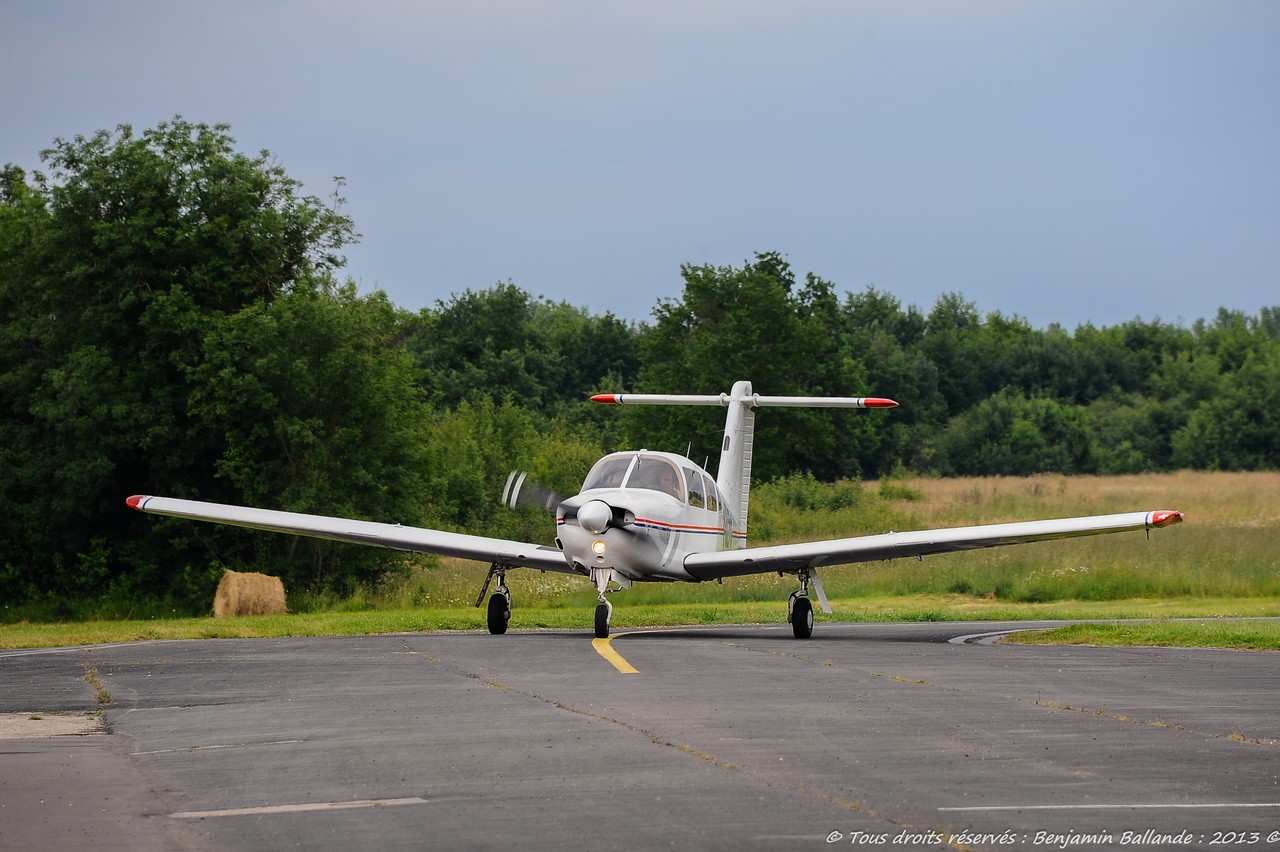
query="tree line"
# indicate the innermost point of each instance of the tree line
(174, 320)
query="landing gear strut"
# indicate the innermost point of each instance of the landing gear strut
(500, 602)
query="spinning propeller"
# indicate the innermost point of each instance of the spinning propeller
(520, 492)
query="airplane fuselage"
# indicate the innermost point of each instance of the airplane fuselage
(640, 514)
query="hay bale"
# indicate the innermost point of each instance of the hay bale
(245, 593)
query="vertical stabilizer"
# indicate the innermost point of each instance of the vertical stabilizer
(734, 477)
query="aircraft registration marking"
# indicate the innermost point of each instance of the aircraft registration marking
(604, 649)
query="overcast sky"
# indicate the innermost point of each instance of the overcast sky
(1069, 162)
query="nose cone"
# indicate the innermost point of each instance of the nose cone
(595, 516)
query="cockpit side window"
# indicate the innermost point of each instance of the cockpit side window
(608, 472)
(657, 474)
(712, 503)
(697, 500)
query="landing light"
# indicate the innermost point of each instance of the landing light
(597, 547)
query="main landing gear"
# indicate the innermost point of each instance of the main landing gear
(800, 608)
(800, 614)
(500, 602)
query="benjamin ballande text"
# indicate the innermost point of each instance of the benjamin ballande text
(1057, 839)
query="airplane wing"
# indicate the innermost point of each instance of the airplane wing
(414, 539)
(872, 548)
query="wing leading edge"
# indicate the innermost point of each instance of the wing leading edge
(414, 539)
(873, 548)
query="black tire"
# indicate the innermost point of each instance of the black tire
(499, 613)
(602, 621)
(802, 618)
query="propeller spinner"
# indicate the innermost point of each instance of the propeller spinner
(595, 516)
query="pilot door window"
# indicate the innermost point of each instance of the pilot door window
(657, 474)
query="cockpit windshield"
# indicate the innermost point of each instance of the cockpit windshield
(636, 470)
(609, 472)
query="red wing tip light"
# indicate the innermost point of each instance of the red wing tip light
(135, 502)
(1165, 518)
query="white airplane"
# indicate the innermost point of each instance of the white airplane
(658, 517)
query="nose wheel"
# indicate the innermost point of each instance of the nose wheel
(604, 611)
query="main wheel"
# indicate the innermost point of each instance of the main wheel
(499, 613)
(802, 618)
(602, 621)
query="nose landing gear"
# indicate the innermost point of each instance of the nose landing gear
(602, 577)
(604, 612)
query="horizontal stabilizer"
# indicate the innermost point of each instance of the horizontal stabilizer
(753, 401)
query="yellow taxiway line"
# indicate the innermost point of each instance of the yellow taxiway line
(604, 649)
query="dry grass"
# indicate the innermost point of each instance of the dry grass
(1247, 500)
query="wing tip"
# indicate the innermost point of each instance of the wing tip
(1165, 518)
(608, 398)
(136, 501)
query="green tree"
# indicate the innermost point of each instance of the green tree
(885, 339)
(484, 344)
(501, 343)
(1126, 435)
(1239, 427)
(316, 410)
(1008, 434)
(117, 263)
(953, 341)
(755, 323)
(873, 311)
(473, 448)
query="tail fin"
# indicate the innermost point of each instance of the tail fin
(734, 476)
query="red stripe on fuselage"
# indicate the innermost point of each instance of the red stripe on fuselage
(663, 525)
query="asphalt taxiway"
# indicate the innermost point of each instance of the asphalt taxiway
(873, 736)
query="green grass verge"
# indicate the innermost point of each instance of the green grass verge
(1238, 635)
(1212, 630)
